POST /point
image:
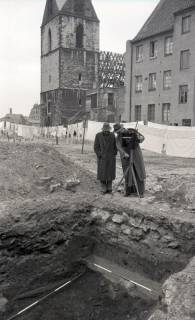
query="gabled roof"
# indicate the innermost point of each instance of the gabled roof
(162, 18)
(80, 8)
(51, 10)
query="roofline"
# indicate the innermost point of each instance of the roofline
(70, 15)
(151, 15)
(153, 35)
(184, 10)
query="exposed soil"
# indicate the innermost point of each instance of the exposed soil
(91, 297)
(46, 227)
(30, 170)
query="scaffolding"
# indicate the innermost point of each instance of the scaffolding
(111, 70)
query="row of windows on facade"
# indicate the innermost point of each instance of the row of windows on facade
(167, 83)
(168, 44)
(166, 107)
(79, 37)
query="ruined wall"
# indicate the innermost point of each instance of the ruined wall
(107, 111)
(64, 103)
(74, 62)
(160, 243)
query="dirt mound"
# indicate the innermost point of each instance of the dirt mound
(29, 170)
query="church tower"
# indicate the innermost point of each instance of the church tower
(69, 58)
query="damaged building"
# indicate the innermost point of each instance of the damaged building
(72, 81)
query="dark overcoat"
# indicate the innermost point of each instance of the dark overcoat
(137, 159)
(106, 150)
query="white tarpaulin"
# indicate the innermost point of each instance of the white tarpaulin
(173, 141)
(170, 140)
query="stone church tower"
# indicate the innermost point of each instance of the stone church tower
(69, 58)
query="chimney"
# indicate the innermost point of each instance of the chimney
(10, 111)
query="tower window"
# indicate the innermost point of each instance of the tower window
(79, 36)
(50, 6)
(49, 40)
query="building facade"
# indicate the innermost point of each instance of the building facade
(34, 116)
(106, 103)
(69, 58)
(160, 66)
(77, 78)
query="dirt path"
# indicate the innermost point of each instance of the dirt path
(168, 178)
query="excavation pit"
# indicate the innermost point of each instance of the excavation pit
(57, 239)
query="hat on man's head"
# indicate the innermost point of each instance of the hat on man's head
(106, 127)
(117, 126)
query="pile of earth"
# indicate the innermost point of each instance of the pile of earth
(31, 171)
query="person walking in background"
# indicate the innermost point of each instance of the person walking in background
(127, 142)
(106, 151)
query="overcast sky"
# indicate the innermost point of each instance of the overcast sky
(20, 22)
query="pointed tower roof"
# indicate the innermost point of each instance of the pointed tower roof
(51, 10)
(162, 18)
(80, 8)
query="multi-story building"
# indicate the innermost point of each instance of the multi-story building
(160, 66)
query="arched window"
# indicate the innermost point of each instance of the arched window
(49, 40)
(79, 36)
(50, 4)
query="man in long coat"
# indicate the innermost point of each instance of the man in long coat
(127, 142)
(106, 151)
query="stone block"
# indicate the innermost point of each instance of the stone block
(126, 229)
(112, 227)
(119, 219)
(102, 214)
